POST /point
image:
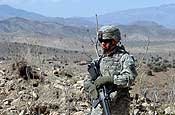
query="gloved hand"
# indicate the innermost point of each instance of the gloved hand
(93, 70)
(93, 91)
(101, 80)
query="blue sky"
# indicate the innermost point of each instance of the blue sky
(83, 8)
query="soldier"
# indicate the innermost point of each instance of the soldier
(115, 67)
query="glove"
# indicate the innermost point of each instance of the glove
(93, 70)
(93, 91)
(103, 80)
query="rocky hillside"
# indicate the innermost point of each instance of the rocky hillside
(20, 27)
(16, 23)
(23, 27)
(144, 29)
(49, 81)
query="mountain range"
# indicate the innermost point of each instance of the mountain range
(163, 15)
(17, 26)
(137, 24)
(7, 11)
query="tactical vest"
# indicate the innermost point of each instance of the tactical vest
(110, 66)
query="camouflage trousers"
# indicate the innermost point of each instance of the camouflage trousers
(119, 104)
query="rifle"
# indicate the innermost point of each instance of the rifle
(94, 70)
(103, 99)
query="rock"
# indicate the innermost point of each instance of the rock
(35, 95)
(56, 73)
(22, 112)
(169, 110)
(136, 112)
(21, 92)
(15, 102)
(83, 63)
(142, 99)
(145, 104)
(59, 86)
(54, 113)
(20, 80)
(2, 82)
(80, 83)
(78, 113)
(84, 104)
(11, 108)
(151, 113)
(43, 108)
(29, 103)
(7, 101)
(2, 72)
(35, 83)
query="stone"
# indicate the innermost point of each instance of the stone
(22, 112)
(35, 83)
(2, 82)
(21, 92)
(136, 112)
(169, 110)
(78, 113)
(6, 103)
(35, 95)
(151, 113)
(59, 86)
(81, 82)
(15, 102)
(83, 63)
(2, 72)
(84, 104)
(145, 104)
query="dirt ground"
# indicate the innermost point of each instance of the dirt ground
(58, 89)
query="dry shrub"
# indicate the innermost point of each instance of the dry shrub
(26, 71)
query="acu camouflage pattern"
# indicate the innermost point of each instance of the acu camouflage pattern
(121, 66)
(109, 32)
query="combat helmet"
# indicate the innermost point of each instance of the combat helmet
(109, 32)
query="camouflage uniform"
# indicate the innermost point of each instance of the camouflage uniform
(121, 67)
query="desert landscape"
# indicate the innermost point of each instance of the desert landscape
(43, 64)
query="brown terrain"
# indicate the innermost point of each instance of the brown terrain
(36, 79)
(43, 63)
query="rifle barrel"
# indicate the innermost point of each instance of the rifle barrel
(105, 102)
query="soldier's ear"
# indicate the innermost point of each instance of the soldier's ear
(115, 41)
(100, 36)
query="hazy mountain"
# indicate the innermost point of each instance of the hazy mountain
(23, 27)
(9, 12)
(20, 26)
(138, 30)
(15, 22)
(164, 15)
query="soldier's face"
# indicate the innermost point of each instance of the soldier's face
(106, 45)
